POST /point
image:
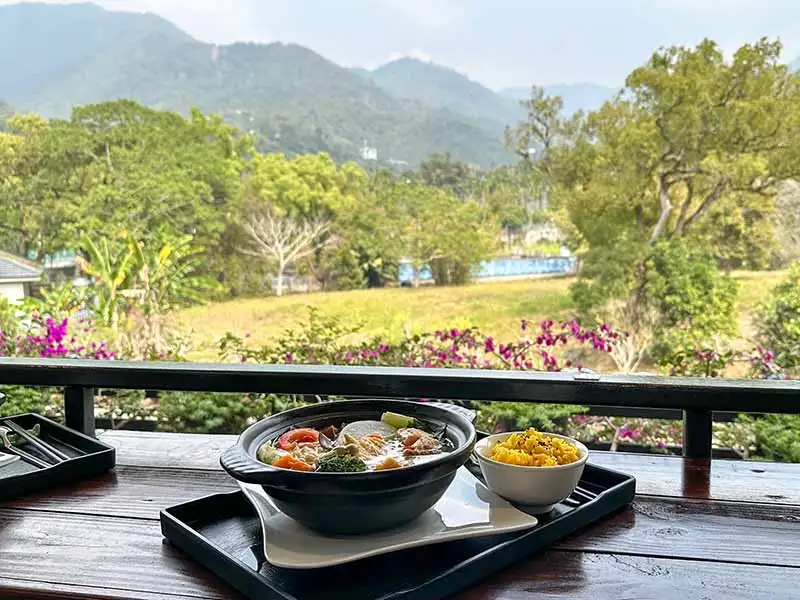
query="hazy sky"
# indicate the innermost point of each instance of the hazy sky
(497, 42)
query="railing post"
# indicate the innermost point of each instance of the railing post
(79, 409)
(697, 427)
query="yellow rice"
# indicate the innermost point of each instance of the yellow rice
(533, 449)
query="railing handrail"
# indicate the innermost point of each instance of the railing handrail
(637, 391)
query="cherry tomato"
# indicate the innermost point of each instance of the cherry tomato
(291, 438)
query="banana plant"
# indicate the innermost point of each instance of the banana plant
(112, 268)
(167, 276)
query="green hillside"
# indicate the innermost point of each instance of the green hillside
(292, 98)
(440, 87)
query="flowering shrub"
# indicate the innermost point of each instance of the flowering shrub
(324, 340)
(659, 434)
(778, 320)
(712, 362)
(46, 337)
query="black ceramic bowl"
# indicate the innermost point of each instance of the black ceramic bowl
(351, 503)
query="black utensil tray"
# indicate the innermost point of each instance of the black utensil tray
(222, 532)
(87, 457)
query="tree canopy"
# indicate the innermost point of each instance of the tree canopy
(694, 146)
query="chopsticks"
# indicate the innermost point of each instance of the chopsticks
(10, 448)
(53, 454)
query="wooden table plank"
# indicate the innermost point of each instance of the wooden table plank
(651, 526)
(186, 450)
(101, 539)
(738, 480)
(586, 576)
(94, 552)
(698, 529)
(48, 590)
(85, 555)
(655, 475)
(136, 492)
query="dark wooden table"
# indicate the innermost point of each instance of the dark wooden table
(696, 530)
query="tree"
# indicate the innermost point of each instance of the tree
(444, 172)
(120, 167)
(302, 197)
(693, 140)
(369, 235)
(447, 234)
(285, 238)
(694, 303)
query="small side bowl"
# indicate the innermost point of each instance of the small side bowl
(538, 488)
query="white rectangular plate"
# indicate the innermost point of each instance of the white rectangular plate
(466, 510)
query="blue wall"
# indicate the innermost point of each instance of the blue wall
(504, 267)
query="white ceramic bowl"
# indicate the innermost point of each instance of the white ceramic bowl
(539, 488)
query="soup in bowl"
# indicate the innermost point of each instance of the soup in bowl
(354, 466)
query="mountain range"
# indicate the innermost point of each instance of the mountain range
(53, 57)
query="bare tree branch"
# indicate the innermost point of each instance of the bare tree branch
(283, 238)
(708, 202)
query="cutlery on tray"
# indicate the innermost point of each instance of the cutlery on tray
(8, 447)
(52, 453)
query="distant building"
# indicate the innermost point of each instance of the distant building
(17, 275)
(368, 152)
(62, 266)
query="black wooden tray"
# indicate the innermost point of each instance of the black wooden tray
(88, 457)
(222, 532)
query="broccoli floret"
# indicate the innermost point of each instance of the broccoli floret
(341, 464)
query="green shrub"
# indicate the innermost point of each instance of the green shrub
(778, 321)
(209, 412)
(695, 303)
(778, 437)
(45, 401)
(493, 416)
(9, 323)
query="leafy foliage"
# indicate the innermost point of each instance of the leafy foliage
(693, 148)
(217, 412)
(778, 320)
(778, 437)
(324, 340)
(695, 303)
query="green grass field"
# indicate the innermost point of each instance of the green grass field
(496, 308)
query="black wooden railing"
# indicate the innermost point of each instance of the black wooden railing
(697, 398)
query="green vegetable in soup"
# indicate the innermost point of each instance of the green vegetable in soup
(268, 454)
(397, 420)
(341, 464)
